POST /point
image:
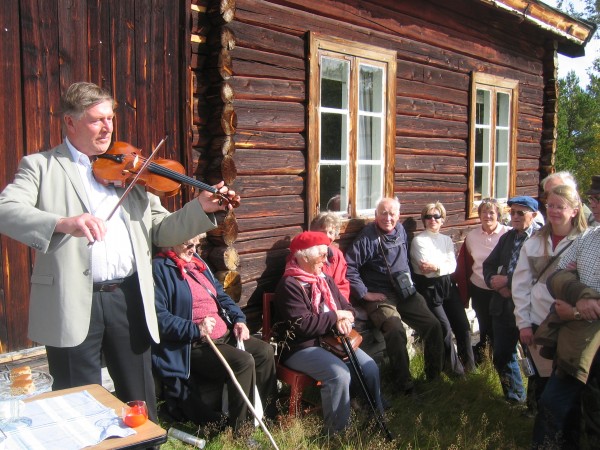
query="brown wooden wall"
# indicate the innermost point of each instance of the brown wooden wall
(135, 48)
(252, 112)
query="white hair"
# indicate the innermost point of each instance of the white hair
(566, 178)
(311, 252)
(393, 200)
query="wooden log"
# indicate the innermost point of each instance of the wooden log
(220, 94)
(255, 63)
(442, 181)
(222, 37)
(425, 127)
(408, 144)
(259, 37)
(200, 24)
(255, 265)
(222, 168)
(284, 117)
(258, 223)
(250, 88)
(260, 240)
(219, 66)
(430, 164)
(223, 120)
(221, 146)
(269, 140)
(252, 162)
(267, 185)
(231, 282)
(200, 136)
(224, 258)
(201, 110)
(414, 89)
(432, 109)
(221, 12)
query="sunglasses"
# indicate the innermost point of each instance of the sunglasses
(190, 246)
(520, 213)
(432, 216)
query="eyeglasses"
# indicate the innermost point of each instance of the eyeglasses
(556, 207)
(594, 198)
(518, 212)
(190, 246)
(432, 216)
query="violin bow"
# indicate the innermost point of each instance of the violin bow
(137, 175)
(134, 180)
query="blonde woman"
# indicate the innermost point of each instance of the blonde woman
(433, 261)
(537, 261)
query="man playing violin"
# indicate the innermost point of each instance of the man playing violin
(90, 301)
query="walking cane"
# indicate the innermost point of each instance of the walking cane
(361, 378)
(241, 390)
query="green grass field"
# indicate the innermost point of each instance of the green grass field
(449, 413)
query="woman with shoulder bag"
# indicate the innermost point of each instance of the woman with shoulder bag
(310, 302)
(433, 262)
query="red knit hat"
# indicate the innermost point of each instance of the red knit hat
(308, 239)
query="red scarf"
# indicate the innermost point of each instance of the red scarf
(319, 287)
(181, 264)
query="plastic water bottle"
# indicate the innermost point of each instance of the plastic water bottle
(186, 437)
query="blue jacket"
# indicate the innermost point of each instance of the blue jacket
(367, 270)
(173, 298)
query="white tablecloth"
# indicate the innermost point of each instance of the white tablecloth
(67, 422)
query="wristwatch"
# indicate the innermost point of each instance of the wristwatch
(576, 314)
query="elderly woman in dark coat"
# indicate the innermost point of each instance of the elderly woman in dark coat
(191, 304)
(311, 303)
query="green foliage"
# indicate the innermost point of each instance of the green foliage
(449, 413)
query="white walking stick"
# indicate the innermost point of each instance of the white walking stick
(241, 390)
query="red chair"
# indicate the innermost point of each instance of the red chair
(297, 381)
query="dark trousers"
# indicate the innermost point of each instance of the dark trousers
(453, 318)
(118, 332)
(480, 300)
(388, 316)
(255, 366)
(506, 337)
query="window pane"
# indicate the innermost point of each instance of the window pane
(501, 187)
(482, 145)
(334, 136)
(501, 146)
(334, 83)
(370, 89)
(503, 109)
(369, 186)
(482, 183)
(370, 137)
(333, 191)
(483, 107)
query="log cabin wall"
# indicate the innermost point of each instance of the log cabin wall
(134, 48)
(254, 118)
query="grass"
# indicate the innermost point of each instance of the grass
(450, 413)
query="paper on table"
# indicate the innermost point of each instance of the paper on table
(67, 422)
(543, 365)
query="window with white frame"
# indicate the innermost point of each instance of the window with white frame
(492, 152)
(351, 126)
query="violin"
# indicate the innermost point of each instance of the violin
(120, 164)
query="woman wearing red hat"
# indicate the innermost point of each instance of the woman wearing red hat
(311, 303)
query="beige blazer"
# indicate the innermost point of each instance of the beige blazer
(48, 186)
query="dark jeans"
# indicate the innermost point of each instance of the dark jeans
(480, 300)
(506, 336)
(566, 407)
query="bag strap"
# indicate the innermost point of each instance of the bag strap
(389, 270)
(550, 262)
